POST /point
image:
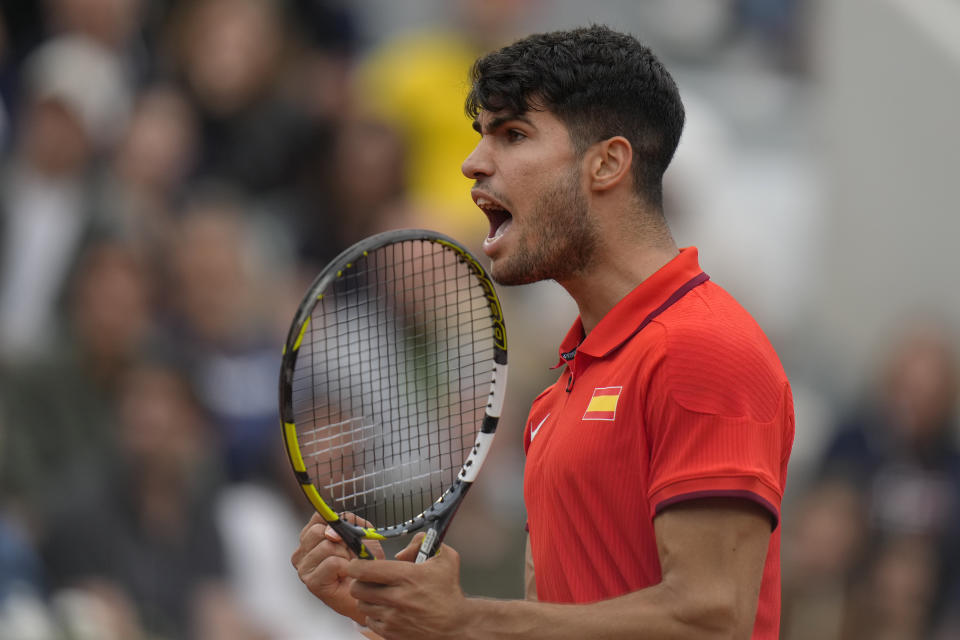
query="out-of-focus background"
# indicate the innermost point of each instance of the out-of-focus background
(174, 172)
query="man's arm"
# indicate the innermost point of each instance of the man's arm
(712, 554)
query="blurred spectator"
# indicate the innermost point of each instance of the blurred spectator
(23, 614)
(230, 55)
(75, 106)
(822, 549)
(351, 187)
(147, 176)
(418, 83)
(21, 29)
(223, 294)
(259, 521)
(319, 71)
(60, 409)
(140, 539)
(4, 89)
(900, 450)
(20, 569)
(897, 594)
(113, 24)
(87, 80)
(948, 627)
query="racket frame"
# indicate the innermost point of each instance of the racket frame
(437, 517)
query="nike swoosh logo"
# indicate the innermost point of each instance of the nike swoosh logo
(533, 432)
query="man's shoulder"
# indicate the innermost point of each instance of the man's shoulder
(708, 317)
(716, 358)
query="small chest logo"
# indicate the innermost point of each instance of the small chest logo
(536, 430)
(603, 404)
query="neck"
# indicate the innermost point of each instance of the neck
(620, 266)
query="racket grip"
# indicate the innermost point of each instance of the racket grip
(429, 545)
(353, 541)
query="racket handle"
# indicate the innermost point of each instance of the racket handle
(429, 545)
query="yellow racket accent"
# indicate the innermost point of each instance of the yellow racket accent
(325, 512)
(296, 459)
(496, 313)
(293, 447)
(303, 330)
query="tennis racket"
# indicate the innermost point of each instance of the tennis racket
(391, 386)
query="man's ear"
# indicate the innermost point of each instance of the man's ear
(609, 162)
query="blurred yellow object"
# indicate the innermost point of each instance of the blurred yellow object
(418, 84)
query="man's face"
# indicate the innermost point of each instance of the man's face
(528, 182)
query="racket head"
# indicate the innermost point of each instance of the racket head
(392, 382)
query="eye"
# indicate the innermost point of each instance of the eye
(515, 135)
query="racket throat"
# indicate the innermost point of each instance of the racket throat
(441, 521)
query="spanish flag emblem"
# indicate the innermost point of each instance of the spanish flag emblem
(603, 404)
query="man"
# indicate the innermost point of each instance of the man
(657, 462)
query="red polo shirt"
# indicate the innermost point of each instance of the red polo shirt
(676, 394)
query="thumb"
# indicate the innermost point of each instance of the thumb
(409, 552)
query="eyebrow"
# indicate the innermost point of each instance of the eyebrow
(499, 121)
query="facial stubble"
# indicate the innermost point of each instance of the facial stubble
(556, 241)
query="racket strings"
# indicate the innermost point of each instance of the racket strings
(392, 380)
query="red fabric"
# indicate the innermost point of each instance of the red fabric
(703, 409)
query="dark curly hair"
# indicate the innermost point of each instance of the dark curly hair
(599, 83)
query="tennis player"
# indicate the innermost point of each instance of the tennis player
(656, 463)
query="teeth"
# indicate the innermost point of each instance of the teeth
(488, 205)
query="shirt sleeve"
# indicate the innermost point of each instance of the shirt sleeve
(719, 422)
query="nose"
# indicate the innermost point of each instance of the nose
(478, 163)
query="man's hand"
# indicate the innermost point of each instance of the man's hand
(401, 599)
(321, 561)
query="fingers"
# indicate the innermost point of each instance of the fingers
(409, 552)
(392, 572)
(373, 611)
(355, 519)
(376, 549)
(315, 520)
(401, 599)
(447, 555)
(331, 534)
(370, 593)
(324, 576)
(378, 626)
(310, 536)
(383, 572)
(317, 529)
(307, 559)
(318, 541)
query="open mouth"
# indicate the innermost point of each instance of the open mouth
(499, 217)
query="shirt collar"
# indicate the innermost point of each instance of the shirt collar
(652, 295)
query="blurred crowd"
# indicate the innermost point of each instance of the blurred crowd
(173, 173)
